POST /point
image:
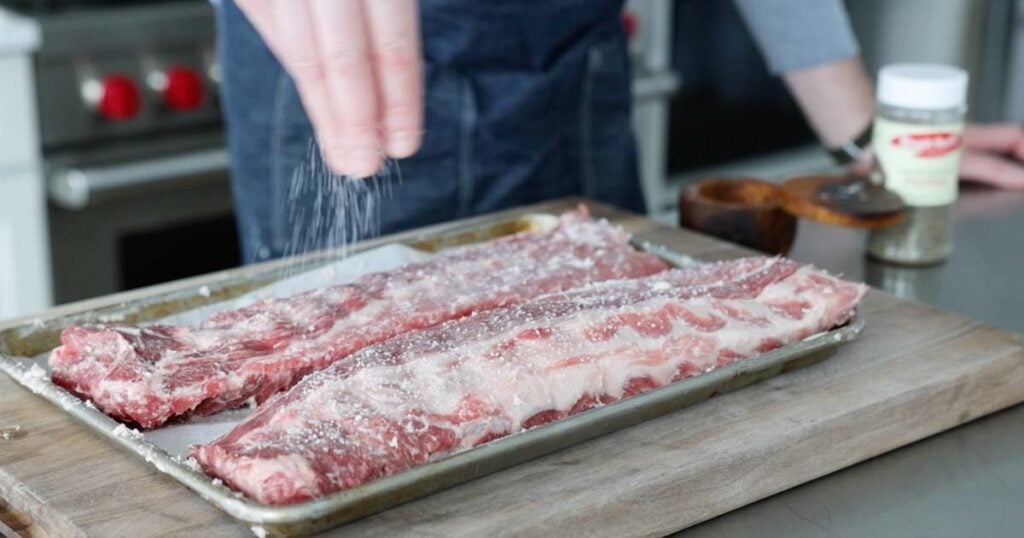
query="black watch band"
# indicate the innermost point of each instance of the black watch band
(850, 151)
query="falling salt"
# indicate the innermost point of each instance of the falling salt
(259, 531)
(326, 210)
(7, 434)
(329, 274)
(204, 291)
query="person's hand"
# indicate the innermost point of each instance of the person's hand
(358, 69)
(994, 154)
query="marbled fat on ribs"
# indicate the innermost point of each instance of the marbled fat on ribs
(427, 394)
(150, 374)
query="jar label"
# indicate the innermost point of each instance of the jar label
(920, 162)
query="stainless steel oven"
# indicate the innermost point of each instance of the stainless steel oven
(132, 142)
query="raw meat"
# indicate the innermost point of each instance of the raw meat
(424, 395)
(150, 374)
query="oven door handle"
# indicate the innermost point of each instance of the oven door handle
(75, 188)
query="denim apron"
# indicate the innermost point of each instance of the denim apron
(526, 100)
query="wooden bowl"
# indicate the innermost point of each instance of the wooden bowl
(742, 210)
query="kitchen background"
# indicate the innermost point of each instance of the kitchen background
(113, 172)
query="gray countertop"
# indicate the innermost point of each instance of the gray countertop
(968, 481)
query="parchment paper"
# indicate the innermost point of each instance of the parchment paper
(176, 438)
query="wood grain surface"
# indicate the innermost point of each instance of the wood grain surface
(915, 371)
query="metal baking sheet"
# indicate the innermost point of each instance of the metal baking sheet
(36, 336)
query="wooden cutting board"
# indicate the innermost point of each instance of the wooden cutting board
(915, 371)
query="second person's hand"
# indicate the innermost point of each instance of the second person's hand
(994, 155)
(358, 69)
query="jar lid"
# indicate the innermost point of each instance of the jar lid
(922, 86)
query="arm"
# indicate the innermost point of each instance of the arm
(835, 97)
(811, 44)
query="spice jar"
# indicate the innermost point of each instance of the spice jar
(918, 134)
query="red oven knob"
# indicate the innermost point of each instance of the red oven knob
(630, 23)
(119, 98)
(184, 89)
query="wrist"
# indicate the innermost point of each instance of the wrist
(864, 164)
(854, 150)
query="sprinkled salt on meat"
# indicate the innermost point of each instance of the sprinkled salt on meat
(424, 395)
(150, 374)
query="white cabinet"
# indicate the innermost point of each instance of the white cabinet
(25, 278)
(649, 25)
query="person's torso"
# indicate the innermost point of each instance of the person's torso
(519, 35)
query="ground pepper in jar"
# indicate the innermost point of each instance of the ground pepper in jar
(918, 138)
